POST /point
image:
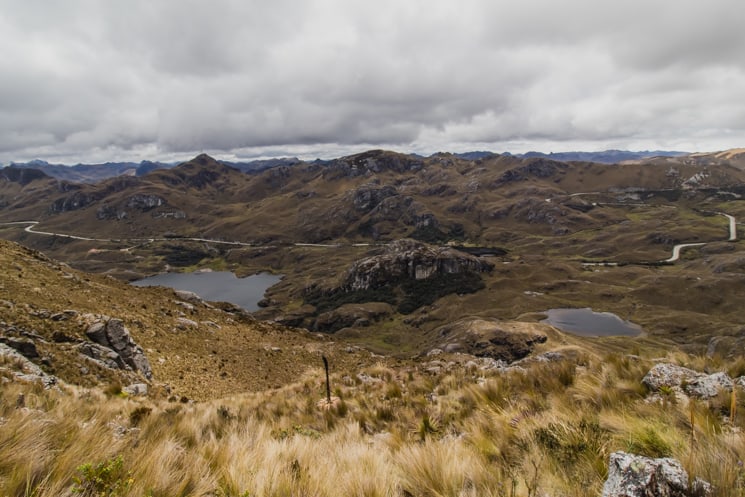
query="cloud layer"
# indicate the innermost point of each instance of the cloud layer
(85, 80)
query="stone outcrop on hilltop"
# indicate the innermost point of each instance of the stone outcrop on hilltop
(409, 259)
(372, 162)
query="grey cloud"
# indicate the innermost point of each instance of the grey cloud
(177, 77)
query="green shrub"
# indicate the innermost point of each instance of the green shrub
(648, 443)
(105, 479)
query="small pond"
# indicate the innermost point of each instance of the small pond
(588, 323)
(218, 286)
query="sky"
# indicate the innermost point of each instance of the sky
(93, 81)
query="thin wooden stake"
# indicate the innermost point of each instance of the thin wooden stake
(328, 385)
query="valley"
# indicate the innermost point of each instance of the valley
(621, 238)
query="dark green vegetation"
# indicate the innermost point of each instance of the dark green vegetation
(407, 295)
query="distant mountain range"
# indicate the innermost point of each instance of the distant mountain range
(604, 157)
(93, 173)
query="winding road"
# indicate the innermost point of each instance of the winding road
(31, 224)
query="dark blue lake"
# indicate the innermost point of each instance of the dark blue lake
(219, 286)
(588, 323)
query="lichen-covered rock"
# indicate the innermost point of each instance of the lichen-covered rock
(688, 381)
(708, 386)
(630, 475)
(668, 375)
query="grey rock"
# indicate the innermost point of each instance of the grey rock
(118, 335)
(688, 381)
(135, 389)
(708, 386)
(29, 371)
(367, 379)
(97, 333)
(630, 475)
(668, 375)
(185, 323)
(114, 338)
(26, 347)
(102, 355)
(26, 365)
(187, 306)
(188, 296)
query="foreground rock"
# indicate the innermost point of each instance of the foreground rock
(687, 381)
(630, 475)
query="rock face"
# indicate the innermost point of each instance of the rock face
(494, 339)
(114, 336)
(686, 381)
(637, 476)
(409, 259)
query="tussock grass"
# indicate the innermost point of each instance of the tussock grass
(548, 429)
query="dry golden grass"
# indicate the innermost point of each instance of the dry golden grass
(549, 429)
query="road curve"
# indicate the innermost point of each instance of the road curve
(732, 227)
(680, 246)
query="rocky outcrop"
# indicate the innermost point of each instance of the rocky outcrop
(23, 369)
(630, 475)
(114, 336)
(24, 346)
(77, 200)
(348, 315)
(368, 196)
(138, 201)
(490, 338)
(687, 381)
(144, 202)
(372, 162)
(408, 259)
(540, 168)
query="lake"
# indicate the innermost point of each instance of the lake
(218, 286)
(588, 323)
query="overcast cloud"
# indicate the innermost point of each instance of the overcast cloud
(91, 80)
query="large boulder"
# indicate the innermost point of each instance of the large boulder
(630, 475)
(113, 335)
(687, 381)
